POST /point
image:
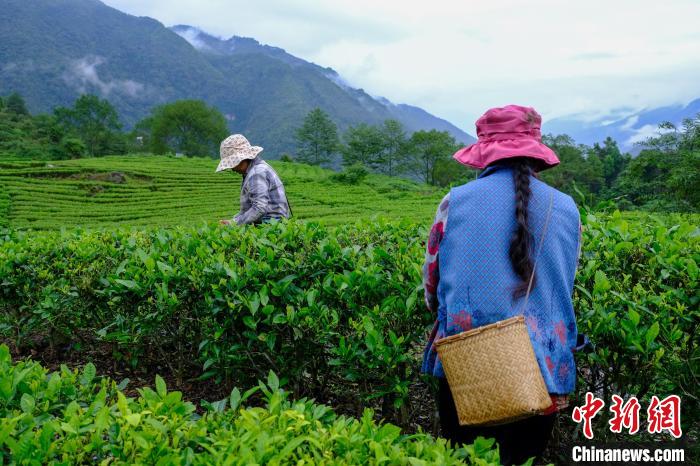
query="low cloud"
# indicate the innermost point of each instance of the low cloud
(83, 75)
(191, 35)
(629, 124)
(643, 133)
(457, 59)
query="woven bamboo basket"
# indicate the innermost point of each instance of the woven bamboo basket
(493, 373)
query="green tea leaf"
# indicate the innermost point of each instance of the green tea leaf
(27, 403)
(161, 388)
(235, 399)
(273, 382)
(652, 333)
(89, 372)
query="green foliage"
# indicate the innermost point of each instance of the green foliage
(337, 311)
(4, 206)
(396, 147)
(170, 191)
(190, 127)
(384, 149)
(351, 175)
(663, 177)
(27, 136)
(364, 144)
(612, 160)
(429, 149)
(575, 171)
(325, 308)
(636, 297)
(15, 104)
(666, 174)
(662, 181)
(139, 63)
(72, 417)
(317, 138)
(96, 122)
(72, 148)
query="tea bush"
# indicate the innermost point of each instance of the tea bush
(333, 310)
(71, 417)
(4, 206)
(338, 311)
(637, 298)
(162, 191)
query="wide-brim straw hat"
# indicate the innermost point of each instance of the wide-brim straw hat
(504, 133)
(235, 149)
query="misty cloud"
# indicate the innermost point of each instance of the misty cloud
(456, 59)
(83, 75)
(191, 35)
(631, 121)
(644, 133)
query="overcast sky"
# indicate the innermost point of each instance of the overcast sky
(458, 58)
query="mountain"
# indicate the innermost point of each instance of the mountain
(273, 77)
(51, 51)
(626, 126)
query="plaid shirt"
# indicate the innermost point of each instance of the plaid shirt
(262, 195)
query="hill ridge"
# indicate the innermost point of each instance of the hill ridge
(54, 50)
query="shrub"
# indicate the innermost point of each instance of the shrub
(338, 311)
(72, 417)
(351, 175)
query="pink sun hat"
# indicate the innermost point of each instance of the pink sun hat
(506, 132)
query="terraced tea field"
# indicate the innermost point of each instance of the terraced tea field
(167, 191)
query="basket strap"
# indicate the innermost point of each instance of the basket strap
(539, 250)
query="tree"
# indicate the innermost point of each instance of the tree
(317, 138)
(70, 148)
(666, 173)
(15, 104)
(574, 170)
(612, 160)
(449, 172)
(95, 121)
(26, 135)
(190, 127)
(395, 146)
(689, 138)
(428, 148)
(365, 145)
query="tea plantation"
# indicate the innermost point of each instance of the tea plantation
(71, 417)
(169, 191)
(328, 308)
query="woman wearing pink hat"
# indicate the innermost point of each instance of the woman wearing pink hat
(479, 260)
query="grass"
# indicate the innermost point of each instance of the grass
(168, 191)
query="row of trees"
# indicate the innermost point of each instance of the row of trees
(666, 173)
(664, 176)
(386, 148)
(91, 127)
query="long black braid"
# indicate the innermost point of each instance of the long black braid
(521, 241)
